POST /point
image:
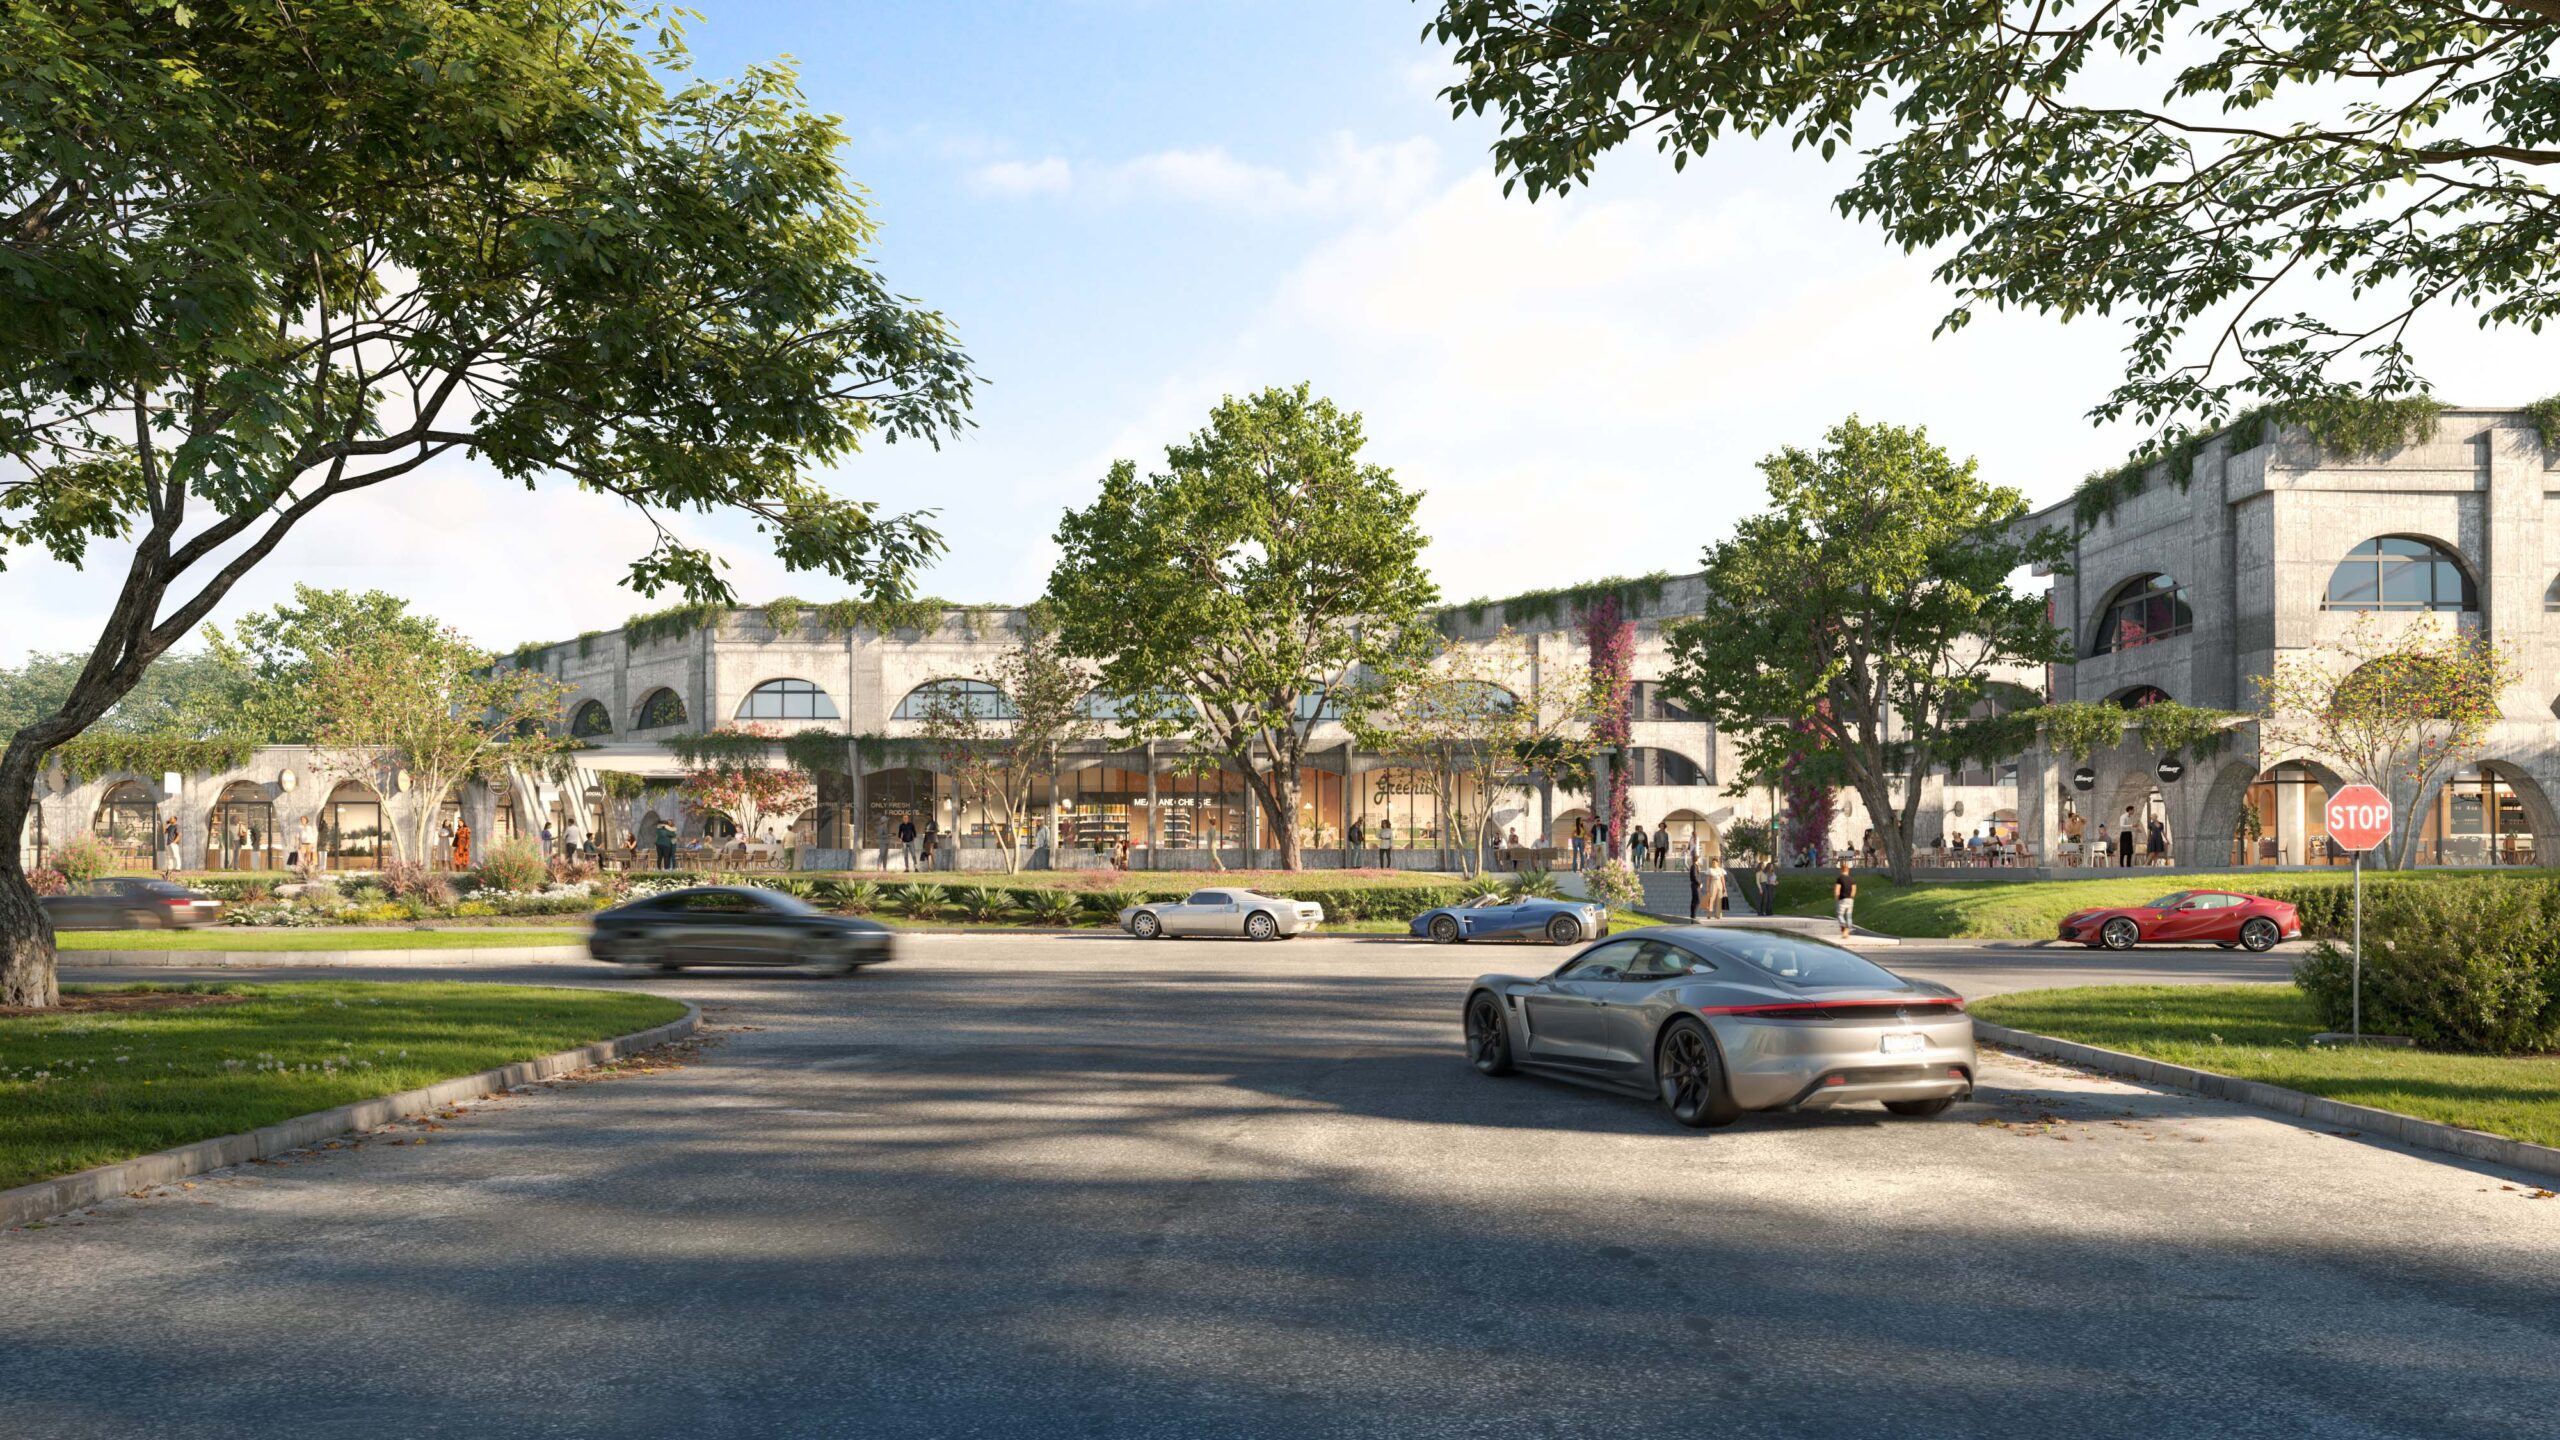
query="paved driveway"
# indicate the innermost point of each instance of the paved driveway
(1026, 1189)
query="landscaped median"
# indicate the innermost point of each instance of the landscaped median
(2263, 1033)
(241, 939)
(1995, 909)
(125, 1070)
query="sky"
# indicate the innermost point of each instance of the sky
(1130, 208)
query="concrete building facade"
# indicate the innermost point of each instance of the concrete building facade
(2195, 593)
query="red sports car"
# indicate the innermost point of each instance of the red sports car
(2219, 917)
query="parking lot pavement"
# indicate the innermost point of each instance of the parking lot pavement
(1098, 1188)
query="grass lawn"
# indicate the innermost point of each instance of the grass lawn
(2263, 1032)
(90, 1087)
(2026, 909)
(255, 938)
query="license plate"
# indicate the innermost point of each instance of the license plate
(1905, 1044)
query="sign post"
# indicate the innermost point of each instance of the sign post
(2359, 818)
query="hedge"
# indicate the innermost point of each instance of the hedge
(2454, 962)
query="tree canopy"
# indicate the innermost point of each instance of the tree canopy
(1861, 628)
(2186, 164)
(1232, 596)
(255, 258)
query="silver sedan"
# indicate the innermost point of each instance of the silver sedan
(1716, 1020)
(1223, 912)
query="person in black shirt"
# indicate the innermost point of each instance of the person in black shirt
(1844, 897)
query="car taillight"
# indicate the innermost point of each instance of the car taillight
(177, 900)
(1841, 1009)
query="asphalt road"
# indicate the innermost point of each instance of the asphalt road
(1023, 1189)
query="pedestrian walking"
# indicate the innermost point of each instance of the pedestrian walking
(1358, 836)
(308, 856)
(1581, 838)
(1661, 843)
(1844, 896)
(462, 846)
(545, 838)
(1768, 885)
(2155, 846)
(1697, 887)
(907, 843)
(1511, 848)
(169, 845)
(576, 835)
(2124, 839)
(1387, 844)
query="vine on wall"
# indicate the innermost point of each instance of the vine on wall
(2351, 425)
(1560, 606)
(2081, 728)
(87, 757)
(1612, 639)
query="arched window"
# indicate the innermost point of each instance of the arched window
(661, 706)
(2141, 695)
(2400, 572)
(1647, 765)
(787, 700)
(2143, 609)
(591, 719)
(956, 697)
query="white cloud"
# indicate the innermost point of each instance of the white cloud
(1349, 177)
(1013, 179)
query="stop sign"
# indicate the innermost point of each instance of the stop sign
(2359, 818)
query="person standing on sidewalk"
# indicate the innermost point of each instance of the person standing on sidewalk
(1581, 838)
(1387, 844)
(2124, 840)
(1697, 885)
(1358, 835)
(1844, 897)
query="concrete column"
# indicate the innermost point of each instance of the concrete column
(1600, 788)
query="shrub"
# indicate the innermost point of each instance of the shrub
(983, 902)
(1539, 883)
(857, 897)
(1050, 907)
(422, 888)
(516, 865)
(83, 858)
(1106, 905)
(1482, 886)
(45, 880)
(2458, 963)
(565, 871)
(1615, 885)
(474, 909)
(921, 900)
(797, 887)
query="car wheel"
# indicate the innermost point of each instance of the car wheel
(1488, 1040)
(2259, 936)
(1920, 1109)
(1563, 930)
(1690, 1078)
(1145, 925)
(2119, 934)
(1444, 929)
(1260, 926)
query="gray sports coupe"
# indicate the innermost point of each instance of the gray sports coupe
(1223, 912)
(1716, 1020)
(1500, 917)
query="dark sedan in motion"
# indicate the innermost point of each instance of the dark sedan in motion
(1716, 1020)
(130, 903)
(734, 925)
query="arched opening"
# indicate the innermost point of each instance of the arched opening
(1561, 837)
(2285, 817)
(503, 825)
(2482, 814)
(590, 719)
(1653, 765)
(2142, 610)
(966, 698)
(128, 820)
(351, 827)
(787, 700)
(31, 846)
(658, 709)
(2135, 697)
(241, 832)
(2401, 572)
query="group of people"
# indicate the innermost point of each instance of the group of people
(1596, 845)
(2132, 830)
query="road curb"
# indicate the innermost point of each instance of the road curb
(251, 959)
(64, 1193)
(2257, 1094)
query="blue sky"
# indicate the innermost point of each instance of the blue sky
(1131, 207)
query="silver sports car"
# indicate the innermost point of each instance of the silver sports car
(1223, 912)
(1716, 1020)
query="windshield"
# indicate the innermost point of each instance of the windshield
(2171, 901)
(1799, 959)
(1487, 902)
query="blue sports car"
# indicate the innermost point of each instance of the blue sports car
(1497, 917)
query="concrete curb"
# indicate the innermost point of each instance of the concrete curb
(252, 959)
(52, 1197)
(2257, 1094)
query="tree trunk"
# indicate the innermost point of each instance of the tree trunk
(1277, 789)
(26, 934)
